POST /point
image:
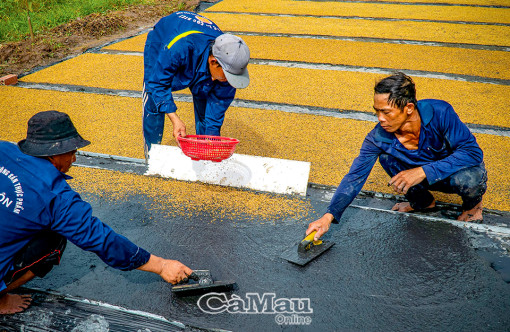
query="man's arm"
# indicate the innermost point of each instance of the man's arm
(321, 225)
(349, 187)
(158, 82)
(218, 102)
(178, 125)
(73, 219)
(171, 271)
(406, 179)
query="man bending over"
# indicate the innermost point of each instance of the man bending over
(39, 212)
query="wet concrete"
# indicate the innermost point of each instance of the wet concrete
(386, 271)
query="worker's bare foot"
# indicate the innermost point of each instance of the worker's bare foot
(473, 215)
(13, 303)
(406, 206)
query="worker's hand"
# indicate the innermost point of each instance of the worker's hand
(320, 225)
(406, 179)
(171, 271)
(174, 271)
(178, 125)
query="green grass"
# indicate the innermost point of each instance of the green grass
(50, 13)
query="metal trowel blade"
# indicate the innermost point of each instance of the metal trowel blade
(297, 255)
(200, 282)
(197, 289)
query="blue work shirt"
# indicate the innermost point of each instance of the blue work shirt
(445, 147)
(175, 58)
(35, 196)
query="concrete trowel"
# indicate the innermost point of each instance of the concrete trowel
(200, 282)
(307, 250)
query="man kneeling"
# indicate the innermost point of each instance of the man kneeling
(39, 212)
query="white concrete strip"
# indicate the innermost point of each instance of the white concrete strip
(483, 228)
(242, 171)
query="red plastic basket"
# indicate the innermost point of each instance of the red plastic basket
(204, 147)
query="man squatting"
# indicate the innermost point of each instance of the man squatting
(423, 146)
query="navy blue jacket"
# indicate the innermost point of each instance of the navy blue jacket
(175, 58)
(446, 146)
(35, 196)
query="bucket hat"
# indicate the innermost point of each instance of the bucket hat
(233, 55)
(51, 133)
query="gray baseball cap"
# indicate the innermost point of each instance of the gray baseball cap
(233, 55)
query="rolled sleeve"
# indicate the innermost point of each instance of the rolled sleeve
(167, 107)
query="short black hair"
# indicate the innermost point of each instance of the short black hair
(400, 87)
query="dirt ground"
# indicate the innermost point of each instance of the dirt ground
(83, 33)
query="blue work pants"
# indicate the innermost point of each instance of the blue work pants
(469, 183)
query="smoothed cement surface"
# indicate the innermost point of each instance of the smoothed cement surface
(478, 103)
(368, 10)
(385, 272)
(483, 63)
(407, 30)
